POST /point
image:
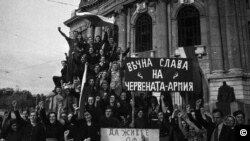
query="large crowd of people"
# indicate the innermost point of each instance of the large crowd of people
(107, 104)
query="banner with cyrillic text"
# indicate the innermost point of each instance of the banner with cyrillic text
(159, 74)
(128, 134)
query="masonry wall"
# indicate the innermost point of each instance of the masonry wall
(224, 34)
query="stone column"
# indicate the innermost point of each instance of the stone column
(122, 30)
(98, 31)
(244, 38)
(128, 27)
(232, 34)
(216, 46)
(171, 48)
(160, 32)
(103, 32)
(90, 31)
(133, 38)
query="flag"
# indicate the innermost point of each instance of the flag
(82, 96)
(198, 77)
(97, 20)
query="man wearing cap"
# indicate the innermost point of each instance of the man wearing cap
(240, 117)
(68, 100)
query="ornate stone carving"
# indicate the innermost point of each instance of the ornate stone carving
(186, 1)
(151, 7)
(119, 9)
(200, 50)
(140, 8)
(197, 3)
(144, 7)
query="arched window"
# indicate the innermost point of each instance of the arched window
(143, 33)
(189, 33)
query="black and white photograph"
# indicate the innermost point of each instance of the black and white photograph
(124, 70)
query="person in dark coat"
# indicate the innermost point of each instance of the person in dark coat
(93, 109)
(125, 110)
(205, 120)
(221, 132)
(88, 130)
(1, 130)
(5, 123)
(103, 63)
(140, 120)
(33, 131)
(98, 43)
(96, 71)
(58, 79)
(13, 131)
(240, 117)
(226, 94)
(92, 58)
(163, 124)
(81, 66)
(108, 121)
(54, 129)
(72, 47)
(90, 88)
(70, 126)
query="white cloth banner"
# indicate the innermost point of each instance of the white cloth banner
(104, 19)
(129, 134)
(82, 97)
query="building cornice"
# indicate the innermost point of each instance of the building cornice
(113, 5)
(90, 3)
(72, 20)
(102, 7)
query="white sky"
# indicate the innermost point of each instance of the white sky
(31, 49)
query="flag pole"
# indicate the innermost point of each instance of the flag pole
(133, 110)
(82, 96)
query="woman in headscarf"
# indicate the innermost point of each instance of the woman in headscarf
(88, 130)
(230, 121)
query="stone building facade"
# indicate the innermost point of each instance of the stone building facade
(218, 29)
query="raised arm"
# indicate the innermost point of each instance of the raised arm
(59, 112)
(5, 127)
(132, 103)
(110, 67)
(198, 104)
(192, 124)
(19, 119)
(163, 106)
(180, 116)
(42, 113)
(124, 54)
(6, 118)
(66, 133)
(63, 34)
(97, 100)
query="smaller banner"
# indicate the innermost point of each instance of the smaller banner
(128, 134)
(97, 20)
(159, 74)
